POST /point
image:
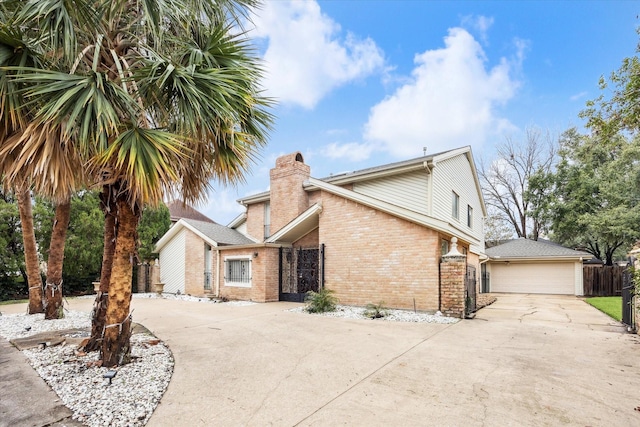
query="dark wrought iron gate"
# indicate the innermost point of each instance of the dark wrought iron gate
(470, 291)
(300, 272)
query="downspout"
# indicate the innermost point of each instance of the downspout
(217, 273)
(429, 170)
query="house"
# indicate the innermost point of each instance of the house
(371, 235)
(537, 267)
(178, 209)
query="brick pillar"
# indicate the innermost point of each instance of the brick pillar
(453, 270)
(288, 198)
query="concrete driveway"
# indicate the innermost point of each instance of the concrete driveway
(525, 360)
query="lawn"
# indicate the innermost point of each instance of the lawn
(611, 306)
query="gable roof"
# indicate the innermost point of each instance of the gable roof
(299, 227)
(212, 233)
(179, 209)
(425, 162)
(523, 248)
(219, 233)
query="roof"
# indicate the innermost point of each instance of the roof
(424, 162)
(179, 209)
(523, 248)
(210, 232)
(220, 234)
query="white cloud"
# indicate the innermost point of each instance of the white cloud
(578, 96)
(221, 206)
(479, 23)
(449, 102)
(306, 56)
(351, 151)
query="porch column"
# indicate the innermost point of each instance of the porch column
(453, 269)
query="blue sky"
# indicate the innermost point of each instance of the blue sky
(364, 83)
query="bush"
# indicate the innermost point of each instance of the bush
(375, 311)
(321, 302)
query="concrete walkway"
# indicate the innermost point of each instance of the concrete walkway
(525, 360)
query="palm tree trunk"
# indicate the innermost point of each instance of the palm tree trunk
(30, 251)
(100, 305)
(115, 343)
(53, 288)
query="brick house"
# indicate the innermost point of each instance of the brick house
(372, 235)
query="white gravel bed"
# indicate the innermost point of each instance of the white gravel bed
(350, 312)
(182, 297)
(128, 401)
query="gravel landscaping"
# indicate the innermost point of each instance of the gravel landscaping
(390, 315)
(78, 380)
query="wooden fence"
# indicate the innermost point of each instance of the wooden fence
(602, 281)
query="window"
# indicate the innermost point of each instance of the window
(469, 216)
(267, 220)
(455, 205)
(207, 267)
(237, 272)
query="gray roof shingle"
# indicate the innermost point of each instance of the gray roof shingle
(527, 248)
(219, 233)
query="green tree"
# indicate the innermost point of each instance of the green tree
(84, 238)
(155, 98)
(596, 193)
(13, 276)
(153, 224)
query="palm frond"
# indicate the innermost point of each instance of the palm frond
(145, 159)
(43, 153)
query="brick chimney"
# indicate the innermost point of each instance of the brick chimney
(288, 198)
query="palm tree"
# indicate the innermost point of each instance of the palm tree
(34, 156)
(159, 98)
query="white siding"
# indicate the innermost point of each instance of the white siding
(409, 190)
(172, 263)
(534, 278)
(455, 174)
(242, 228)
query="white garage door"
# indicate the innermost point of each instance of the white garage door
(543, 278)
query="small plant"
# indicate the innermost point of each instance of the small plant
(321, 301)
(375, 311)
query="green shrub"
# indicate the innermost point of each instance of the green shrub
(375, 311)
(321, 302)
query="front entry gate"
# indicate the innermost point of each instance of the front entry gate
(470, 290)
(300, 272)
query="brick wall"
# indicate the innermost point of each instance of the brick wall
(310, 240)
(194, 264)
(264, 275)
(371, 256)
(452, 274)
(288, 198)
(255, 221)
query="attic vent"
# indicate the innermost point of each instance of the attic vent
(299, 158)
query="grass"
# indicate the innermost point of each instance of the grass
(611, 306)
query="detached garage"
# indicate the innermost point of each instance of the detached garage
(535, 267)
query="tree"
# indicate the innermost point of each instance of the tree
(84, 238)
(596, 193)
(153, 224)
(506, 181)
(12, 267)
(156, 98)
(34, 156)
